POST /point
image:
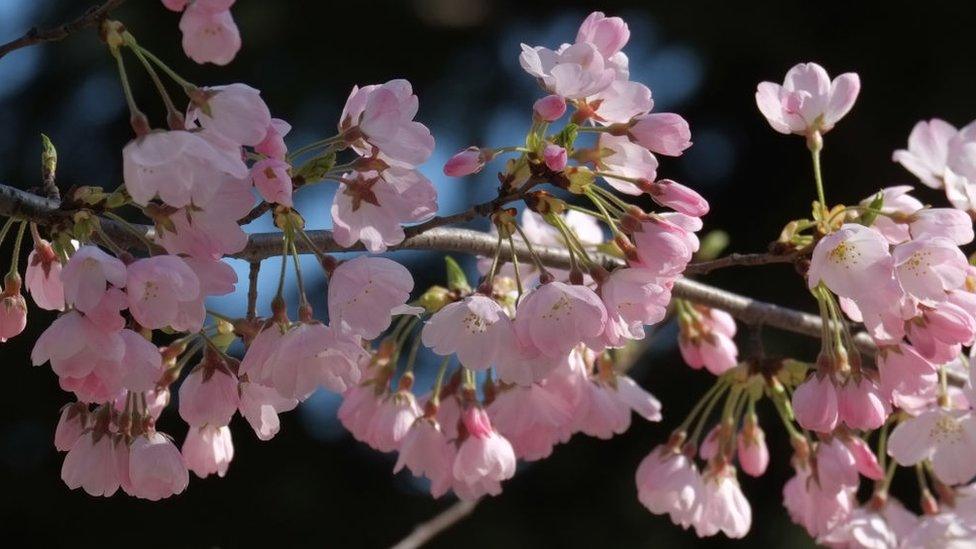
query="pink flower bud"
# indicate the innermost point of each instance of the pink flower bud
(663, 133)
(678, 197)
(43, 277)
(273, 145)
(555, 157)
(13, 316)
(815, 404)
(752, 451)
(467, 162)
(550, 108)
(271, 178)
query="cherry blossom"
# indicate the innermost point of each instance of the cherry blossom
(94, 464)
(476, 328)
(365, 292)
(43, 277)
(808, 101)
(947, 437)
(156, 468)
(208, 450)
(381, 116)
(210, 34)
(485, 458)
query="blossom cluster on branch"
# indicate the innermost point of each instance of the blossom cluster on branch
(532, 353)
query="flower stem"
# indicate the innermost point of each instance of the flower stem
(20, 239)
(187, 85)
(817, 178)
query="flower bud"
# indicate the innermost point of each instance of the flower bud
(550, 108)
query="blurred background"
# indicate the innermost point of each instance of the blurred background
(313, 485)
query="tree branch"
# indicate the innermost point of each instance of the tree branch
(738, 260)
(91, 18)
(426, 531)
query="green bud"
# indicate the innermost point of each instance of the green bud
(713, 244)
(456, 279)
(867, 218)
(316, 168)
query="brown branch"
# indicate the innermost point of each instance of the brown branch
(91, 18)
(426, 531)
(737, 260)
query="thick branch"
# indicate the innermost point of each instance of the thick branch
(426, 531)
(91, 18)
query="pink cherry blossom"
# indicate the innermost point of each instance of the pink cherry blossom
(626, 159)
(724, 508)
(620, 103)
(808, 101)
(946, 437)
(271, 178)
(633, 298)
(175, 5)
(549, 108)
(424, 450)
(945, 529)
(960, 169)
(895, 202)
(87, 275)
(383, 116)
(77, 348)
(484, 456)
(208, 450)
(555, 317)
(953, 224)
(668, 482)
(359, 405)
(209, 230)
(93, 464)
(142, 363)
(156, 468)
(208, 396)
(555, 157)
(209, 35)
(273, 145)
(71, 425)
(928, 151)
(260, 406)
(929, 267)
(476, 328)
(156, 286)
(905, 374)
(605, 406)
(236, 112)
(43, 277)
(608, 34)
(312, 355)
(179, 166)
(365, 292)
(665, 247)
(868, 526)
(854, 262)
(371, 207)
(467, 162)
(573, 71)
(662, 133)
(705, 339)
(814, 507)
(391, 420)
(815, 404)
(938, 332)
(531, 418)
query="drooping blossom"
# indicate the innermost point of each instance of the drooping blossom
(271, 179)
(392, 420)
(208, 450)
(606, 403)
(88, 274)
(312, 355)
(209, 230)
(555, 317)
(476, 328)
(381, 117)
(13, 308)
(633, 298)
(158, 287)
(425, 451)
(532, 418)
(156, 468)
(260, 406)
(209, 396)
(960, 169)
(724, 508)
(370, 207)
(71, 425)
(484, 458)
(94, 463)
(751, 448)
(365, 292)
(236, 112)
(868, 526)
(906, 376)
(180, 166)
(815, 404)
(705, 339)
(813, 506)
(210, 34)
(273, 145)
(43, 277)
(80, 352)
(807, 101)
(669, 482)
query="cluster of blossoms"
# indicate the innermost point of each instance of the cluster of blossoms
(536, 351)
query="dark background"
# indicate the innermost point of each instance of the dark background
(313, 485)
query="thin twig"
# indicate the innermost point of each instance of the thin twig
(91, 18)
(737, 260)
(426, 531)
(252, 289)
